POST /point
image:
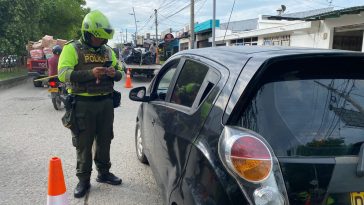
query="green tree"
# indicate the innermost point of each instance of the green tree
(17, 25)
(22, 21)
(62, 18)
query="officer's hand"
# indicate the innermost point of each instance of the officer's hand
(98, 71)
(110, 71)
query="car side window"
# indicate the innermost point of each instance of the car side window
(189, 82)
(164, 82)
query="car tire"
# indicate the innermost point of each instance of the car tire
(37, 83)
(139, 144)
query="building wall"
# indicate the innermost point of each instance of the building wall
(309, 39)
(273, 23)
(321, 34)
(317, 34)
(346, 20)
(184, 41)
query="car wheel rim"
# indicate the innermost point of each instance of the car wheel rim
(139, 143)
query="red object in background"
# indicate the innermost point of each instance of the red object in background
(52, 65)
(168, 37)
(36, 54)
(53, 84)
(37, 65)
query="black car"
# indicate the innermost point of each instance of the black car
(255, 125)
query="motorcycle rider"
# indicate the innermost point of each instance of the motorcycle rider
(53, 61)
(81, 64)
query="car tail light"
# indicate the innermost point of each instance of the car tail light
(251, 161)
(250, 158)
(53, 84)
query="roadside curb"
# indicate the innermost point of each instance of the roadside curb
(13, 81)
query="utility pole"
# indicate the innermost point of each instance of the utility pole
(121, 36)
(214, 23)
(192, 24)
(136, 27)
(156, 26)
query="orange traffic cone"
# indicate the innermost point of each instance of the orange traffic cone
(56, 185)
(128, 79)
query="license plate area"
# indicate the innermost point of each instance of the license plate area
(53, 90)
(357, 198)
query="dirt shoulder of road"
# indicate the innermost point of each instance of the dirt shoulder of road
(10, 78)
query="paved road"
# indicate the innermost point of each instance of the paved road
(31, 133)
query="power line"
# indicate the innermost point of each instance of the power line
(326, 3)
(171, 20)
(171, 10)
(231, 12)
(185, 7)
(324, 112)
(202, 5)
(169, 5)
(164, 1)
(161, 7)
(147, 22)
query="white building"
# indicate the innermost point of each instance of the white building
(321, 28)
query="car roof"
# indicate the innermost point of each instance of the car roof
(233, 57)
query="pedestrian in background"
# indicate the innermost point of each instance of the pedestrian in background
(82, 64)
(153, 51)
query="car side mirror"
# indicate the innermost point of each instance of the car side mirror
(138, 94)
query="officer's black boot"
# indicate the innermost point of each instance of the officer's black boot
(108, 178)
(81, 188)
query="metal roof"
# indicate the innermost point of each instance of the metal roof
(301, 15)
(243, 25)
(305, 14)
(335, 13)
(252, 24)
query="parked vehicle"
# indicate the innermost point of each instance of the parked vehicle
(140, 61)
(9, 61)
(255, 125)
(38, 69)
(58, 92)
(38, 53)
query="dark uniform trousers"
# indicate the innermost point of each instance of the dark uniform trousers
(94, 117)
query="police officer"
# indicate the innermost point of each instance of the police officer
(82, 65)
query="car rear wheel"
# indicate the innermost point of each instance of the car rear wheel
(139, 144)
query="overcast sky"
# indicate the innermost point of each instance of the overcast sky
(172, 15)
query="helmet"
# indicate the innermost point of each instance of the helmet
(57, 49)
(98, 25)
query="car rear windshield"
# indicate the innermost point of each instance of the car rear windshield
(309, 110)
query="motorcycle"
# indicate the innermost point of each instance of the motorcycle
(138, 56)
(58, 92)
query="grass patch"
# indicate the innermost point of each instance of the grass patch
(6, 74)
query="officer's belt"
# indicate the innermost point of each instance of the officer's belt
(93, 98)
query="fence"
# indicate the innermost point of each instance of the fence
(9, 63)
